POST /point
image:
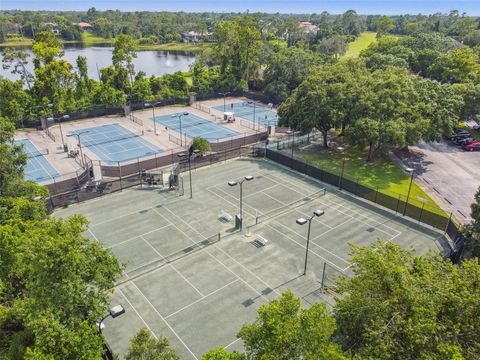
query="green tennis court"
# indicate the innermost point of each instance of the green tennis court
(191, 277)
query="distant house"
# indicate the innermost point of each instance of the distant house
(51, 26)
(308, 27)
(194, 36)
(85, 26)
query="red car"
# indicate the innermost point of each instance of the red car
(474, 146)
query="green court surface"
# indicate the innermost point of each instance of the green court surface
(191, 277)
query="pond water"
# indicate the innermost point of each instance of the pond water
(151, 62)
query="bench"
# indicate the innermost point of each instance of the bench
(261, 240)
(225, 216)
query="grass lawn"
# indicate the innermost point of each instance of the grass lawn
(383, 173)
(17, 41)
(361, 43)
(90, 39)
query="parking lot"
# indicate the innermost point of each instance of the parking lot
(450, 173)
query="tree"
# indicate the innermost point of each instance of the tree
(402, 306)
(17, 59)
(46, 48)
(472, 231)
(201, 144)
(281, 328)
(222, 354)
(144, 346)
(455, 66)
(287, 68)
(334, 46)
(124, 52)
(384, 25)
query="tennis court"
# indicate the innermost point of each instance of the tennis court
(244, 110)
(195, 126)
(113, 143)
(38, 168)
(190, 277)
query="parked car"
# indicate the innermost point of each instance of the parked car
(463, 141)
(474, 146)
(457, 137)
(458, 133)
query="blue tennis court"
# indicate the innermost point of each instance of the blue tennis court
(194, 126)
(113, 143)
(246, 111)
(38, 168)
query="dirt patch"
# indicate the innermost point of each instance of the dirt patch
(407, 153)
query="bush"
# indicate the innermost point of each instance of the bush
(201, 144)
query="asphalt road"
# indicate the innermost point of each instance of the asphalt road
(450, 172)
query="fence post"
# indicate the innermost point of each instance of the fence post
(376, 194)
(448, 223)
(398, 202)
(322, 286)
(421, 212)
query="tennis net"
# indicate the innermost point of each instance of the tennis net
(144, 269)
(112, 137)
(35, 153)
(136, 120)
(283, 209)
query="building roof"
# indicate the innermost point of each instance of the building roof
(84, 24)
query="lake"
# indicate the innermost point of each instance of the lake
(151, 62)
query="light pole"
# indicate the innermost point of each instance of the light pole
(254, 105)
(342, 150)
(114, 312)
(303, 221)
(58, 119)
(234, 183)
(412, 172)
(189, 155)
(79, 143)
(153, 110)
(180, 120)
(224, 99)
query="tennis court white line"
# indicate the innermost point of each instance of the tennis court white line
(165, 321)
(202, 298)
(225, 266)
(312, 242)
(365, 217)
(303, 246)
(296, 209)
(353, 211)
(136, 236)
(375, 249)
(233, 342)
(136, 312)
(91, 232)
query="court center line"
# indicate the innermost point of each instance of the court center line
(163, 319)
(202, 298)
(136, 312)
(173, 267)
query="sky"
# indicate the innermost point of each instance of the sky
(387, 7)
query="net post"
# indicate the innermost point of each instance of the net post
(376, 194)
(218, 236)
